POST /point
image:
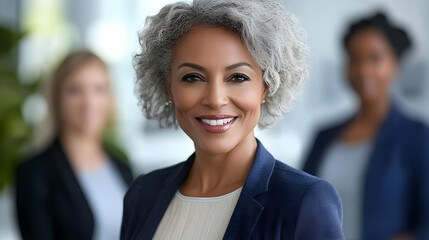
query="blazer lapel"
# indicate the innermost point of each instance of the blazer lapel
(71, 184)
(315, 158)
(248, 210)
(378, 161)
(382, 148)
(171, 185)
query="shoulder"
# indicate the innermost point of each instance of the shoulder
(412, 126)
(327, 134)
(316, 205)
(37, 164)
(298, 183)
(412, 134)
(333, 128)
(308, 203)
(123, 167)
(147, 186)
(142, 197)
(283, 174)
(33, 176)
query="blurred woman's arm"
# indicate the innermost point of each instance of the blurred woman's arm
(32, 204)
(422, 231)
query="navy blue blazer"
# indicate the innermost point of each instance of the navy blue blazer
(396, 184)
(276, 202)
(50, 203)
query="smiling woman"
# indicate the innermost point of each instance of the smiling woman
(219, 68)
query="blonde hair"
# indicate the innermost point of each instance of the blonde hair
(72, 63)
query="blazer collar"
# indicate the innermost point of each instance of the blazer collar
(260, 174)
(256, 182)
(69, 179)
(247, 210)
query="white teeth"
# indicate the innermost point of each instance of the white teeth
(217, 122)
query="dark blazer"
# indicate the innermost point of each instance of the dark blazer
(276, 202)
(50, 203)
(396, 184)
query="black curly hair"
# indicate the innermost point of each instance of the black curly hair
(396, 36)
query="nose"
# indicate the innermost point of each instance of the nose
(363, 69)
(215, 94)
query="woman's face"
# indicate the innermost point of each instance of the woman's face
(85, 100)
(216, 88)
(372, 65)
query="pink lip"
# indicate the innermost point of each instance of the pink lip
(216, 129)
(215, 117)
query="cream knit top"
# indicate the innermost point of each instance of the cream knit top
(197, 217)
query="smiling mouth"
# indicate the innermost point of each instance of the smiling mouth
(216, 123)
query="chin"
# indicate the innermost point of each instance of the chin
(89, 131)
(368, 99)
(216, 145)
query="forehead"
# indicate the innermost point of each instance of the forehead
(88, 73)
(211, 46)
(367, 39)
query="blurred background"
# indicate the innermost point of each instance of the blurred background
(36, 34)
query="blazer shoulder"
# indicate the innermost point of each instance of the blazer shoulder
(151, 182)
(36, 164)
(332, 128)
(412, 133)
(310, 203)
(414, 125)
(142, 196)
(292, 179)
(123, 168)
(293, 185)
(317, 207)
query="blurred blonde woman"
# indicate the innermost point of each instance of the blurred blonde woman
(74, 188)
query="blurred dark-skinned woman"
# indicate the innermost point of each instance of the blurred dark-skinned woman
(75, 187)
(377, 160)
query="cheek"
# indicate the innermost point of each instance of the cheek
(103, 103)
(248, 99)
(69, 106)
(185, 98)
(386, 72)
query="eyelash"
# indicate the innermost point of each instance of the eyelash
(191, 78)
(244, 76)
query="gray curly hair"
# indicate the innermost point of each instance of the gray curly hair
(271, 34)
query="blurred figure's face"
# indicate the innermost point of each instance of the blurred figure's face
(372, 65)
(86, 101)
(216, 88)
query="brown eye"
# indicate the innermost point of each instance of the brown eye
(74, 90)
(193, 77)
(376, 58)
(238, 78)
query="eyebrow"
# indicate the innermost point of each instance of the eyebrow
(238, 65)
(192, 65)
(201, 68)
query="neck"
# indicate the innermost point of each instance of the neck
(218, 174)
(85, 152)
(374, 112)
